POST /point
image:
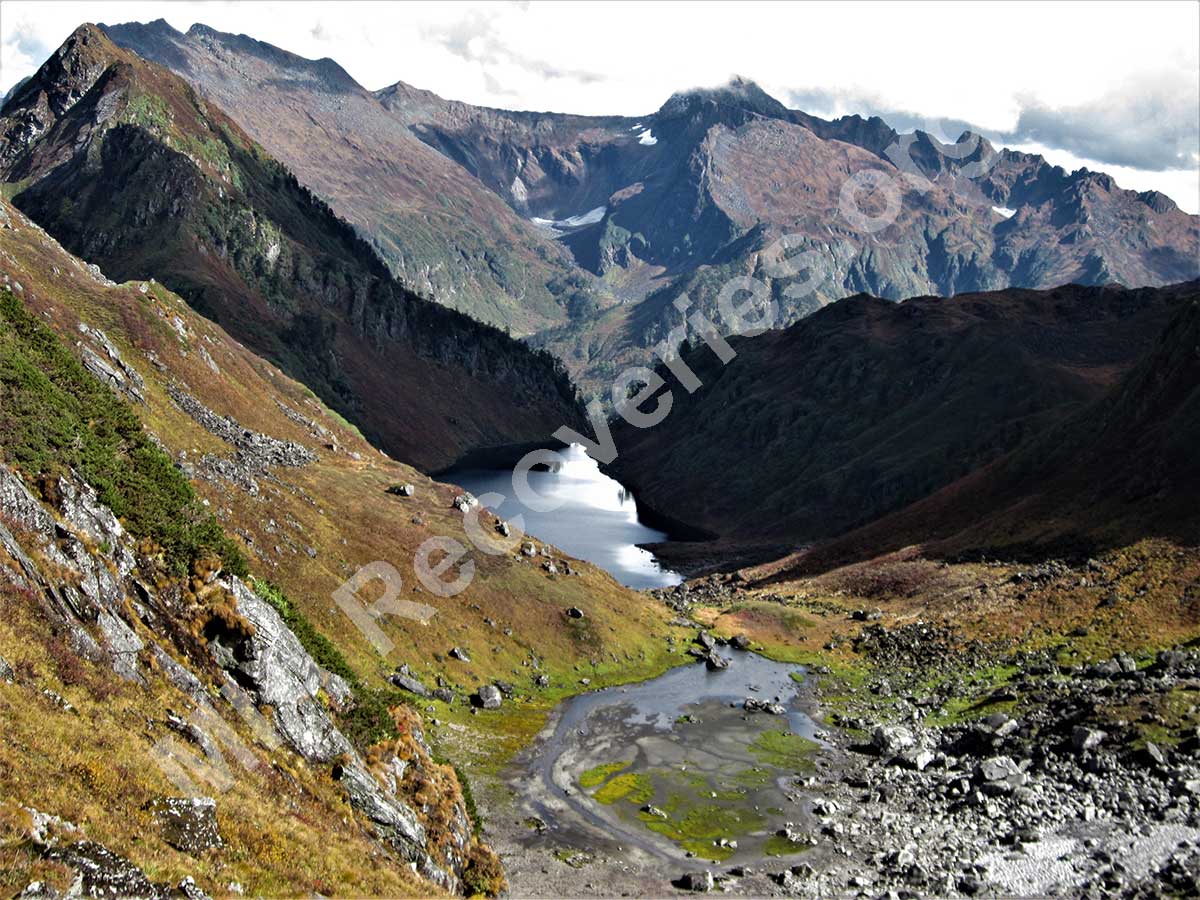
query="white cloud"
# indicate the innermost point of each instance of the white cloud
(937, 59)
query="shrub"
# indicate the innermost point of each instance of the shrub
(55, 415)
(483, 873)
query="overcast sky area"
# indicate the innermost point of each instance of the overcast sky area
(1110, 86)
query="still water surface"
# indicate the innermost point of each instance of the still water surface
(596, 521)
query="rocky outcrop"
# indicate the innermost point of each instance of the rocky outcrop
(188, 824)
(111, 368)
(259, 663)
(256, 449)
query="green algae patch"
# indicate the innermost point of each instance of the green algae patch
(600, 774)
(754, 777)
(784, 750)
(701, 828)
(778, 845)
(631, 786)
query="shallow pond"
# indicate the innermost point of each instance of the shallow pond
(675, 765)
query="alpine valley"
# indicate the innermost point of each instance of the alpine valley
(926, 608)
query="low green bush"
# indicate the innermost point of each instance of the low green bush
(55, 416)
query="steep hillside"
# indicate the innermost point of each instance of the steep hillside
(125, 164)
(441, 232)
(111, 624)
(868, 406)
(1119, 470)
(305, 498)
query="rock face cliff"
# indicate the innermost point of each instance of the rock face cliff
(133, 171)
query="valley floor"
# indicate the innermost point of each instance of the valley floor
(990, 729)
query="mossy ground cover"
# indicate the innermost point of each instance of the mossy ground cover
(701, 827)
(780, 845)
(784, 750)
(710, 814)
(595, 777)
(633, 787)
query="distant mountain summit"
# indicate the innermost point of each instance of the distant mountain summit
(738, 95)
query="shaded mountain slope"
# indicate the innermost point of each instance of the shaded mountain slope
(1122, 469)
(125, 164)
(440, 231)
(868, 406)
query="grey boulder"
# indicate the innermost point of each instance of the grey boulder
(489, 697)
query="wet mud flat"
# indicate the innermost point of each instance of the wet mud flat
(628, 787)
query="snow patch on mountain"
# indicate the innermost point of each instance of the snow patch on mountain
(591, 217)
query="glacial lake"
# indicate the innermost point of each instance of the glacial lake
(596, 519)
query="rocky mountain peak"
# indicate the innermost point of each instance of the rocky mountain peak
(325, 72)
(934, 157)
(738, 95)
(76, 64)
(158, 26)
(55, 88)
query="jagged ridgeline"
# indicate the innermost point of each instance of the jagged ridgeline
(130, 169)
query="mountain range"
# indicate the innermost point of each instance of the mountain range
(676, 201)
(247, 307)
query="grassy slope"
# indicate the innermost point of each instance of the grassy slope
(286, 827)
(338, 507)
(55, 416)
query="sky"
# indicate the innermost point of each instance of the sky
(1111, 86)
